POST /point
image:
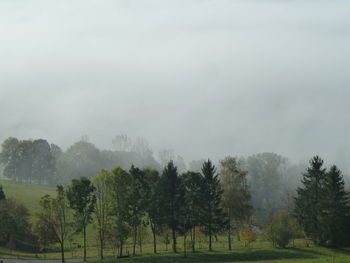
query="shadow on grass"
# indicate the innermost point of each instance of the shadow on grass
(226, 257)
(307, 251)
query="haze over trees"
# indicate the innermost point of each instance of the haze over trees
(124, 193)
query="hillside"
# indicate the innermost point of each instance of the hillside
(27, 194)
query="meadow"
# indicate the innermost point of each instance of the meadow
(259, 251)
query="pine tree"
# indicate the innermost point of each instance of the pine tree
(213, 217)
(170, 186)
(308, 203)
(2, 194)
(336, 209)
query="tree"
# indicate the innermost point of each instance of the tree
(82, 199)
(280, 231)
(236, 197)
(119, 189)
(192, 184)
(153, 203)
(308, 203)
(172, 199)
(137, 198)
(15, 226)
(55, 219)
(2, 194)
(336, 210)
(28, 160)
(82, 159)
(212, 192)
(122, 143)
(103, 207)
(265, 175)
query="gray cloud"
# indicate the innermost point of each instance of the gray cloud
(207, 78)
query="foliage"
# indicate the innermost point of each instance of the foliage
(281, 230)
(212, 214)
(248, 236)
(15, 227)
(103, 207)
(28, 161)
(82, 200)
(236, 198)
(172, 199)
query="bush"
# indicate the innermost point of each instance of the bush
(248, 236)
(280, 231)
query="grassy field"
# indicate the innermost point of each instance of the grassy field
(259, 251)
(27, 194)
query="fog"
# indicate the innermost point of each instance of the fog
(206, 78)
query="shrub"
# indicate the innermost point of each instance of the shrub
(280, 231)
(248, 236)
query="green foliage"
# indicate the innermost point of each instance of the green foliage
(322, 205)
(15, 228)
(28, 161)
(103, 207)
(336, 210)
(265, 182)
(212, 214)
(82, 200)
(281, 230)
(172, 199)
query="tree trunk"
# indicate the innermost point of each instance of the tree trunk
(194, 240)
(174, 240)
(209, 229)
(229, 232)
(84, 242)
(121, 249)
(101, 246)
(140, 240)
(134, 243)
(154, 240)
(62, 252)
(185, 251)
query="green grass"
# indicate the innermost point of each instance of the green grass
(260, 252)
(27, 194)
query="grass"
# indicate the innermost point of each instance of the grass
(27, 194)
(259, 251)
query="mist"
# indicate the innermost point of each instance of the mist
(205, 78)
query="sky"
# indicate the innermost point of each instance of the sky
(207, 78)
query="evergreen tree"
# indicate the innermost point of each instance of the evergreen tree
(336, 209)
(153, 208)
(192, 184)
(2, 194)
(212, 214)
(308, 203)
(170, 195)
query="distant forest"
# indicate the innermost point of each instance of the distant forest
(271, 178)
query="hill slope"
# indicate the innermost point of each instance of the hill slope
(27, 194)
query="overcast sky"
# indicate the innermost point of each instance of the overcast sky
(206, 78)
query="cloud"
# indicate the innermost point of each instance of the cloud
(207, 78)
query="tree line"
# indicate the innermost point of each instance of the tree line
(121, 202)
(271, 178)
